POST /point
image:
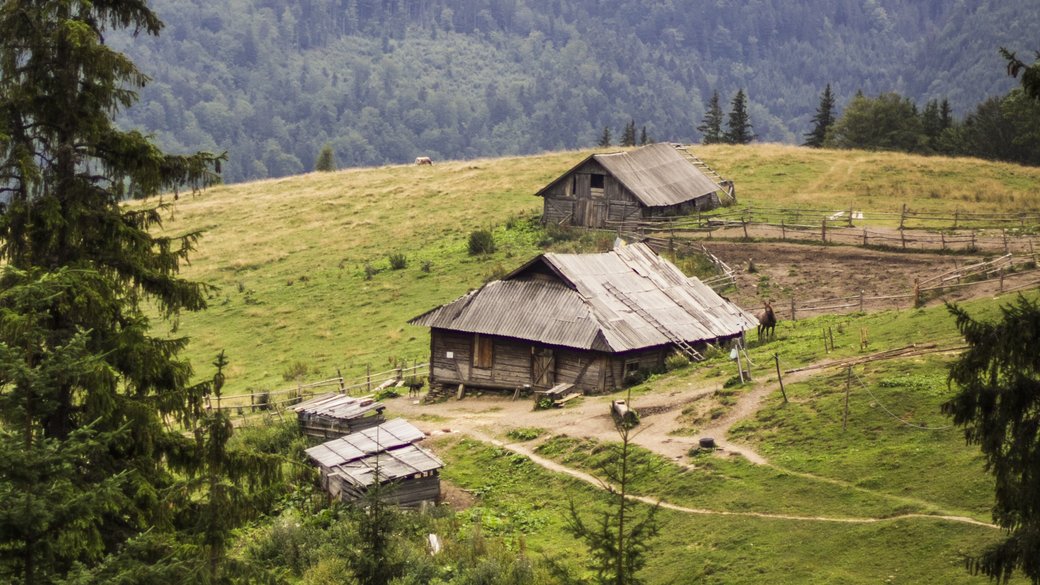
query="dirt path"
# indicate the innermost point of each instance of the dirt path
(528, 451)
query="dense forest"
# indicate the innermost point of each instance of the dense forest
(383, 81)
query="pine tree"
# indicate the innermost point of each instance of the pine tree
(326, 159)
(1030, 73)
(65, 168)
(619, 540)
(822, 120)
(644, 139)
(738, 126)
(711, 125)
(628, 137)
(604, 139)
(998, 381)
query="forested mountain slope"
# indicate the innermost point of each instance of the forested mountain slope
(386, 80)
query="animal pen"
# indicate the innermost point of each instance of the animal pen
(385, 455)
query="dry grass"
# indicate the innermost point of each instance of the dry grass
(288, 255)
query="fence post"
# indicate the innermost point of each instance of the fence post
(850, 216)
(823, 231)
(902, 218)
(783, 230)
(342, 386)
(1004, 231)
(848, 385)
(861, 301)
(779, 377)
(917, 292)
(864, 237)
(368, 377)
(942, 235)
(956, 216)
(1001, 279)
(793, 316)
(902, 237)
(744, 223)
(972, 247)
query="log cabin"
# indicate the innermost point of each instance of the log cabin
(590, 320)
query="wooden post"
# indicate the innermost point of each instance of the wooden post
(956, 216)
(830, 333)
(1031, 252)
(864, 236)
(1001, 279)
(902, 218)
(740, 368)
(825, 348)
(902, 236)
(848, 386)
(823, 231)
(744, 223)
(779, 377)
(793, 316)
(942, 235)
(1004, 230)
(860, 301)
(917, 292)
(368, 377)
(783, 230)
(342, 386)
(972, 247)
(850, 216)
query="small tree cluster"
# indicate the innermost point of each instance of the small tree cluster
(629, 136)
(738, 124)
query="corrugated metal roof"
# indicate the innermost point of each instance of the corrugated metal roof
(390, 435)
(657, 174)
(626, 299)
(391, 465)
(339, 406)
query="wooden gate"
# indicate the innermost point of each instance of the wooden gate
(543, 368)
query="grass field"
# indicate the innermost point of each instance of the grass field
(304, 286)
(301, 264)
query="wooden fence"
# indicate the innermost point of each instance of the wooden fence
(279, 400)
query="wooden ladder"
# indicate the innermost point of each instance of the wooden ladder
(703, 166)
(679, 342)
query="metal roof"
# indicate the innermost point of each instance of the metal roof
(657, 174)
(390, 435)
(391, 465)
(338, 406)
(626, 299)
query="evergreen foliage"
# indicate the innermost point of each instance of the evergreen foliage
(644, 138)
(604, 138)
(738, 125)
(711, 125)
(1030, 73)
(619, 539)
(822, 121)
(888, 122)
(628, 137)
(326, 159)
(998, 396)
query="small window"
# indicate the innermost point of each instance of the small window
(596, 181)
(482, 351)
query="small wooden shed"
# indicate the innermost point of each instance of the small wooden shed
(385, 454)
(333, 415)
(657, 180)
(590, 320)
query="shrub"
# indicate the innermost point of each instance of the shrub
(676, 361)
(426, 266)
(481, 242)
(370, 271)
(398, 261)
(525, 434)
(295, 371)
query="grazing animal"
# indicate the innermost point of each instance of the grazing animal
(423, 160)
(767, 322)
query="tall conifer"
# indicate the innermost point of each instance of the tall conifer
(822, 120)
(711, 125)
(738, 126)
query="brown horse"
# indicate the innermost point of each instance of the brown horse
(767, 322)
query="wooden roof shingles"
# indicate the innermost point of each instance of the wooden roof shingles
(613, 301)
(338, 406)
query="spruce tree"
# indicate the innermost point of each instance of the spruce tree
(65, 168)
(604, 139)
(738, 126)
(628, 137)
(644, 139)
(822, 120)
(711, 125)
(326, 159)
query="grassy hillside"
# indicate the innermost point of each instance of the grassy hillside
(301, 265)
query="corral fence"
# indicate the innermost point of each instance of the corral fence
(906, 230)
(276, 401)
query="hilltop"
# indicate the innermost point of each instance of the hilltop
(301, 268)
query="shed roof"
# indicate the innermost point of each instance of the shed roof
(656, 174)
(626, 299)
(338, 406)
(386, 466)
(389, 435)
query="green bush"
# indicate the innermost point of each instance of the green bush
(676, 361)
(398, 261)
(481, 242)
(525, 434)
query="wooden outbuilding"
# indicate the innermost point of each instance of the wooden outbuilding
(385, 454)
(333, 415)
(657, 180)
(591, 320)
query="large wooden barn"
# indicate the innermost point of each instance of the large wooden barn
(653, 181)
(385, 454)
(584, 319)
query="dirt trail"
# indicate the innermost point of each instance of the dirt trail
(528, 451)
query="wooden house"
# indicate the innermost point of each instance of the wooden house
(333, 415)
(656, 180)
(385, 454)
(590, 320)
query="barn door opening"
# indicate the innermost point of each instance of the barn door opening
(543, 368)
